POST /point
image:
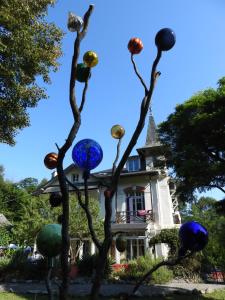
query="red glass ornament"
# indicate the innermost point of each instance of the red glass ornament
(135, 46)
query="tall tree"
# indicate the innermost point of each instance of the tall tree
(29, 47)
(30, 184)
(204, 212)
(195, 138)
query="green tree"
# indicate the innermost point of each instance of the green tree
(204, 212)
(194, 136)
(33, 216)
(168, 236)
(29, 47)
(30, 184)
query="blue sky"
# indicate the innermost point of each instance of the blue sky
(195, 63)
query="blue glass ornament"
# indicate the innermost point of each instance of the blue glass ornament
(193, 236)
(165, 39)
(87, 154)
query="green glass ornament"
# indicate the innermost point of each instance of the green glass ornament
(49, 240)
(83, 73)
(121, 243)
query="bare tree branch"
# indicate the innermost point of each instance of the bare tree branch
(61, 154)
(160, 264)
(216, 186)
(87, 211)
(83, 96)
(117, 156)
(138, 74)
(144, 109)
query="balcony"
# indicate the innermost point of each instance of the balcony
(131, 217)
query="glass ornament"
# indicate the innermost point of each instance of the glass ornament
(83, 73)
(55, 199)
(49, 240)
(90, 58)
(50, 160)
(193, 236)
(121, 243)
(87, 154)
(117, 131)
(165, 39)
(74, 22)
(135, 46)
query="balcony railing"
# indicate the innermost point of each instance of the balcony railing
(139, 216)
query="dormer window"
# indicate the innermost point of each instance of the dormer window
(133, 164)
(75, 177)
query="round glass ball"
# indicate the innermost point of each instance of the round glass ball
(121, 243)
(87, 154)
(193, 236)
(55, 199)
(135, 46)
(82, 73)
(117, 131)
(165, 39)
(50, 160)
(90, 59)
(49, 240)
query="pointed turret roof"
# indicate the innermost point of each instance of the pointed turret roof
(152, 137)
(152, 144)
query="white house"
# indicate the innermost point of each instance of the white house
(144, 203)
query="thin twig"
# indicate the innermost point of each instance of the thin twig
(83, 96)
(144, 109)
(117, 156)
(138, 74)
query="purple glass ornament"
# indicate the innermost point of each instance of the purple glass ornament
(87, 154)
(165, 39)
(193, 236)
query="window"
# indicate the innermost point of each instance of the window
(75, 177)
(133, 164)
(135, 248)
(135, 202)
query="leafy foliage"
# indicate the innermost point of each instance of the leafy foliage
(195, 138)
(87, 265)
(78, 221)
(204, 212)
(138, 267)
(29, 47)
(29, 184)
(29, 213)
(5, 236)
(168, 236)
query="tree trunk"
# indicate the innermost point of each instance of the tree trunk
(99, 271)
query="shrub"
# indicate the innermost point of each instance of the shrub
(87, 265)
(138, 267)
(18, 266)
(189, 268)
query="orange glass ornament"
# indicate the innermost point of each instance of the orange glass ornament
(51, 160)
(135, 45)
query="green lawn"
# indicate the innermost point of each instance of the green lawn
(217, 295)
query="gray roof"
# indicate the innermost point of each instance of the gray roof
(152, 137)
